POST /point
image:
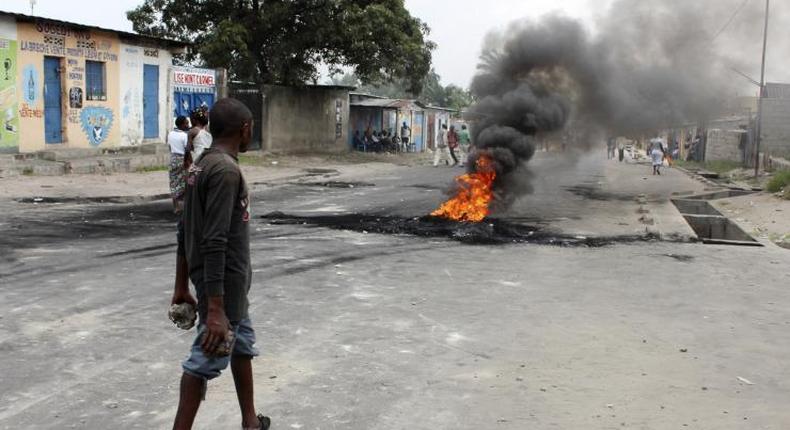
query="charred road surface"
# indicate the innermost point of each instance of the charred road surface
(371, 315)
(490, 231)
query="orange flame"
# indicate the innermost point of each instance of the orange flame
(474, 195)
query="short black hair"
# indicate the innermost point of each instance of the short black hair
(228, 116)
(181, 120)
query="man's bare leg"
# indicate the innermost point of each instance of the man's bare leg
(241, 366)
(189, 401)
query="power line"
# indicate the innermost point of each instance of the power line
(732, 18)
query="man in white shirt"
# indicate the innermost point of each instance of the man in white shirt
(442, 151)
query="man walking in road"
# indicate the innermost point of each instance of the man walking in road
(441, 152)
(452, 143)
(214, 252)
(405, 134)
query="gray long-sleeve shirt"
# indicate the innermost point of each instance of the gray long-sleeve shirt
(216, 239)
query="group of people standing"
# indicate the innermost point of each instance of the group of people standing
(450, 141)
(187, 141)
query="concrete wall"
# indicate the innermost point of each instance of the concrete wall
(776, 127)
(115, 120)
(133, 58)
(9, 108)
(723, 145)
(724, 139)
(90, 123)
(305, 119)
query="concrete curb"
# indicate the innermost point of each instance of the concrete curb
(698, 177)
(92, 165)
(59, 162)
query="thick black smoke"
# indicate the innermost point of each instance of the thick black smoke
(650, 64)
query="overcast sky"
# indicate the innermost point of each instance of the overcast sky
(457, 26)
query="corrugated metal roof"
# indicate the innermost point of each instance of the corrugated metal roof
(777, 91)
(386, 103)
(135, 36)
(440, 108)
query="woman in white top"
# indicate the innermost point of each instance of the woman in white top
(199, 138)
(177, 140)
(657, 155)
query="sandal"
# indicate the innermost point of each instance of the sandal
(264, 421)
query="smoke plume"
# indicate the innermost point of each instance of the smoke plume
(647, 65)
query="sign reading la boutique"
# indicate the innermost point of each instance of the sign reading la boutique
(193, 77)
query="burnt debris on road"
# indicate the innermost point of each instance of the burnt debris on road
(491, 231)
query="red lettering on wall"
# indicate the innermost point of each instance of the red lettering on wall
(191, 78)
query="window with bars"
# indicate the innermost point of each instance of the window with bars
(95, 87)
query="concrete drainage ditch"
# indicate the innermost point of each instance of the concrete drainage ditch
(710, 225)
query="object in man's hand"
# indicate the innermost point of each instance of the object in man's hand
(226, 346)
(183, 315)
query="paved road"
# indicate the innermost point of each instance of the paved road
(391, 331)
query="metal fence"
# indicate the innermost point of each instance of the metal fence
(251, 95)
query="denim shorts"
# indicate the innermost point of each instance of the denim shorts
(202, 366)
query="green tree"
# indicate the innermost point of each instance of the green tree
(457, 97)
(285, 41)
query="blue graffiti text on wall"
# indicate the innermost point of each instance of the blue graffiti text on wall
(96, 123)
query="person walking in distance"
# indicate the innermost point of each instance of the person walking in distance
(441, 152)
(452, 143)
(621, 151)
(405, 134)
(465, 144)
(657, 155)
(177, 141)
(610, 146)
(214, 252)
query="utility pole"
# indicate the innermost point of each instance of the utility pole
(32, 7)
(758, 135)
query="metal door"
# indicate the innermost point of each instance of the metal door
(150, 101)
(251, 95)
(183, 104)
(53, 110)
(417, 131)
(203, 99)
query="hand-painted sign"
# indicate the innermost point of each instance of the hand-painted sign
(30, 84)
(75, 97)
(96, 123)
(192, 77)
(9, 117)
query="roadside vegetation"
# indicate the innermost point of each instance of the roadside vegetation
(780, 182)
(146, 169)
